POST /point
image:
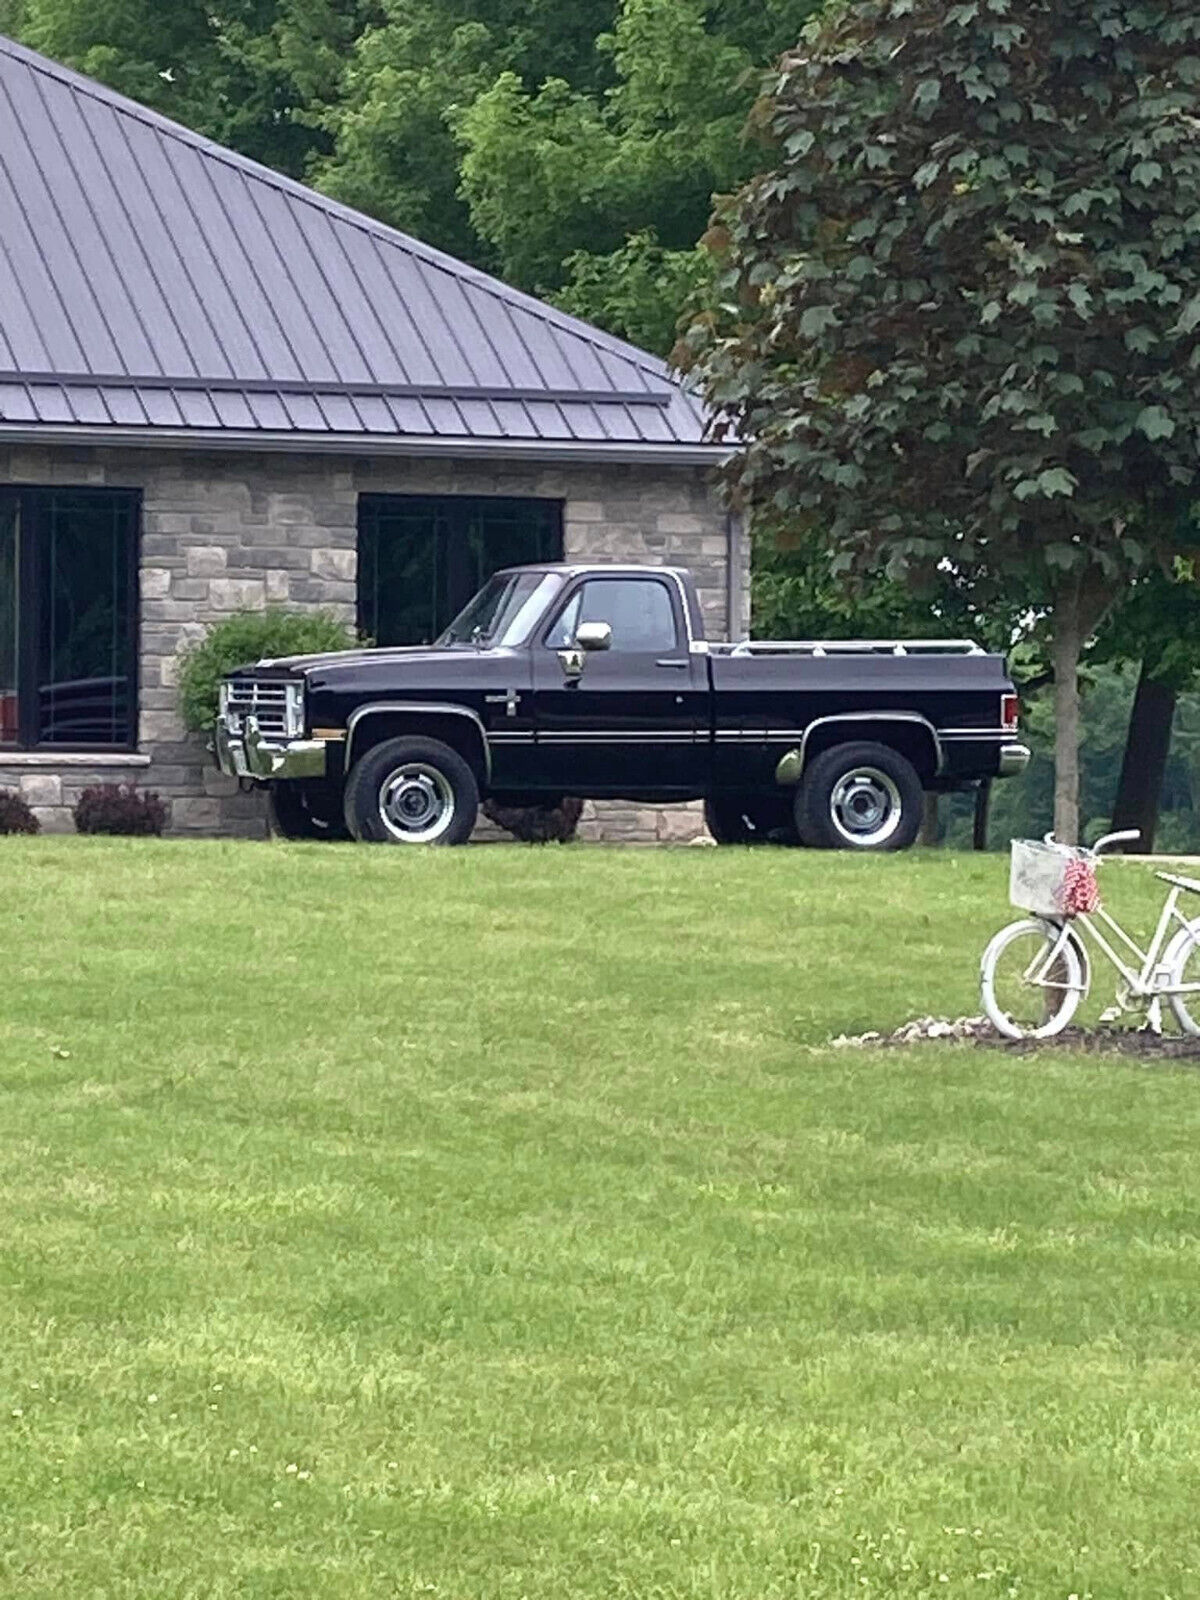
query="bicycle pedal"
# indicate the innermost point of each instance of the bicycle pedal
(1111, 1014)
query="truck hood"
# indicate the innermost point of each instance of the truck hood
(379, 655)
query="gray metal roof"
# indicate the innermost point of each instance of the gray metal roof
(155, 286)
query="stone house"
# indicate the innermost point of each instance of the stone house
(221, 390)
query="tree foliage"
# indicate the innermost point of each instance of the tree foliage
(599, 195)
(956, 319)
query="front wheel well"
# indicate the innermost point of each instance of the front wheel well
(461, 733)
(915, 741)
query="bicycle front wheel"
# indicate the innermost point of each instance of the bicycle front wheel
(1032, 979)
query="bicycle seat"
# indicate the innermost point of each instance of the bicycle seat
(1179, 882)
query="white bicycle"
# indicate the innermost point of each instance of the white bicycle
(1035, 972)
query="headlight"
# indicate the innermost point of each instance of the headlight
(295, 710)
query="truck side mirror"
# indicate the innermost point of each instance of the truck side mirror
(593, 636)
(589, 636)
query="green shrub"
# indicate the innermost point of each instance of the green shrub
(244, 638)
(120, 808)
(15, 815)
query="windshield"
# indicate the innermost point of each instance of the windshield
(504, 610)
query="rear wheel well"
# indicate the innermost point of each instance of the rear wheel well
(912, 740)
(460, 733)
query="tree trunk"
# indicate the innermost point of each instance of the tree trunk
(1068, 643)
(1147, 746)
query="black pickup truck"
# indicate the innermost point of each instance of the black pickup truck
(597, 681)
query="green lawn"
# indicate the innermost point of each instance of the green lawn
(497, 1223)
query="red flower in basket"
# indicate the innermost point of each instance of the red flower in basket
(1079, 890)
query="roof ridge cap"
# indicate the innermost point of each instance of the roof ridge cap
(496, 287)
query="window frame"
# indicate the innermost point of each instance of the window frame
(34, 503)
(674, 600)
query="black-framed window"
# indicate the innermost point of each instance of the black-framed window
(638, 610)
(68, 618)
(422, 557)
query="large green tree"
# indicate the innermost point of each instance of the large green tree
(956, 317)
(598, 193)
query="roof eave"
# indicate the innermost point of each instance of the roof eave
(614, 452)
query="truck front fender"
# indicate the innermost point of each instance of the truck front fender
(416, 710)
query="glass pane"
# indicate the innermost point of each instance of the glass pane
(638, 610)
(9, 727)
(399, 556)
(421, 558)
(85, 693)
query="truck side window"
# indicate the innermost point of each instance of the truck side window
(638, 610)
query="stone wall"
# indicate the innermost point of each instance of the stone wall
(223, 532)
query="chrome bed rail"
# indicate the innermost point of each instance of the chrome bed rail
(851, 647)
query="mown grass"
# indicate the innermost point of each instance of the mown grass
(498, 1223)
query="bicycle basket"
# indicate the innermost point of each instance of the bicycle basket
(1052, 880)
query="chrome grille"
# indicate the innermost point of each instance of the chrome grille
(271, 702)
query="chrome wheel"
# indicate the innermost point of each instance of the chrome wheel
(416, 803)
(865, 807)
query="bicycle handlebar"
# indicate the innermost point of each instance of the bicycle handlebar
(1126, 835)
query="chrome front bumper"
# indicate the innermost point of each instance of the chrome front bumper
(1014, 758)
(247, 754)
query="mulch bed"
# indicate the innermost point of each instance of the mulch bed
(1133, 1042)
(1104, 1041)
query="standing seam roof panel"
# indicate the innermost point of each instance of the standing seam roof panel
(75, 183)
(131, 247)
(15, 403)
(254, 228)
(251, 310)
(21, 333)
(124, 406)
(241, 313)
(316, 283)
(472, 333)
(21, 243)
(179, 304)
(440, 339)
(114, 205)
(58, 246)
(232, 351)
(402, 356)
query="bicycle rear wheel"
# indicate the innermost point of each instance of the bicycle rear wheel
(1032, 979)
(1183, 966)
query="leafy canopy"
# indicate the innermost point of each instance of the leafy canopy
(956, 321)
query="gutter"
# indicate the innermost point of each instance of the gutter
(630, 452)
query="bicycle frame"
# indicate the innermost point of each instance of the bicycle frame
(1144, 982)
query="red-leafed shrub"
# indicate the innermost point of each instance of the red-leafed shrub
(120, 808)
(15, 815)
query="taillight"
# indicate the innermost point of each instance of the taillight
(1010, 712)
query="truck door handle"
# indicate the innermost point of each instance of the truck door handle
(672, 661)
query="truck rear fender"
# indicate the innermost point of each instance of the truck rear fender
(907, 732)
(458, 726)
